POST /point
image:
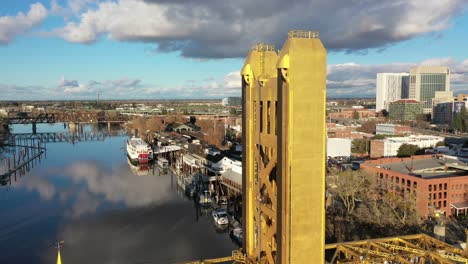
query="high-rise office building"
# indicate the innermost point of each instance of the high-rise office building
(425, 81)
(391, 87)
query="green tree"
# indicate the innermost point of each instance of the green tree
(186, 112)
(383, 113)
(355, 115)
(457, 124)
(407, 150)
(440, 144)
(380, 136)
(233, 111)
(464, 119)
(360, 146)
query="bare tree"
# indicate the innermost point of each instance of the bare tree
(349, 186)
(155, 124)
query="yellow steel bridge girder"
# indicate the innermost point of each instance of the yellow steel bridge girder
(284, 151)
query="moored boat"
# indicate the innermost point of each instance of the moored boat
(220, 216)
(138, 150)
(163, 163)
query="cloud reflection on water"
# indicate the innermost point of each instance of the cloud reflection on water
(163, 233)
(89, 185)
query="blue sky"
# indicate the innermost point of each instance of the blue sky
(73, 49)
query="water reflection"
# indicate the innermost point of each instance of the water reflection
(162, 233)
(18, 158)
(94, 184)
(105, 209)
(144, 169)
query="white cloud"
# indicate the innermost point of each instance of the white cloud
(213, 28)
(77, 5)
(232, 80)
(11, 26)
(76, 88)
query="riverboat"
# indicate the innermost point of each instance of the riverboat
(138, 150)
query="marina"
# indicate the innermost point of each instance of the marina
(89, 193)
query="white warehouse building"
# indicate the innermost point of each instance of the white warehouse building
(391, 145)
(338, 147)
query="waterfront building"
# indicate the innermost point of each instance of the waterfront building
(232, 181)
(192, 163)
(439, 184)
(425, 81)
(392, 129)
(388, 147)
(178, 127)
(390, 87)
(218, 164)
(405, 109)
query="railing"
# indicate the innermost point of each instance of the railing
(263, 47)
(303, 34)
(236, 256)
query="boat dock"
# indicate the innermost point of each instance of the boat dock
(22, 155)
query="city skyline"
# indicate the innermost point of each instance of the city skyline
(151, 49)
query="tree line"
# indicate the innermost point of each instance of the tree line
(359, 207)
(460, 121)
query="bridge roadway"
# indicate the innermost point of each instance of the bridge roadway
(60, 137)
(64, 117)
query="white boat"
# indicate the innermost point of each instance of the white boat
(205, 199)
(163, 163)
(138, 150)
(236, 235)
(220, 217)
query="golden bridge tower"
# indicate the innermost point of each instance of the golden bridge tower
(284, 151)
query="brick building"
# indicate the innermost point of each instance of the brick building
(439, 184)
(340, 131)
(392, 129)
(349, 113)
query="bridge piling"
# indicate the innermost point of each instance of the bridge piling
(34, 128)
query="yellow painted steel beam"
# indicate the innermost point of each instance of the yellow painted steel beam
(301, 149)
(259, 157)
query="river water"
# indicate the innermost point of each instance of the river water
(105, 210)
